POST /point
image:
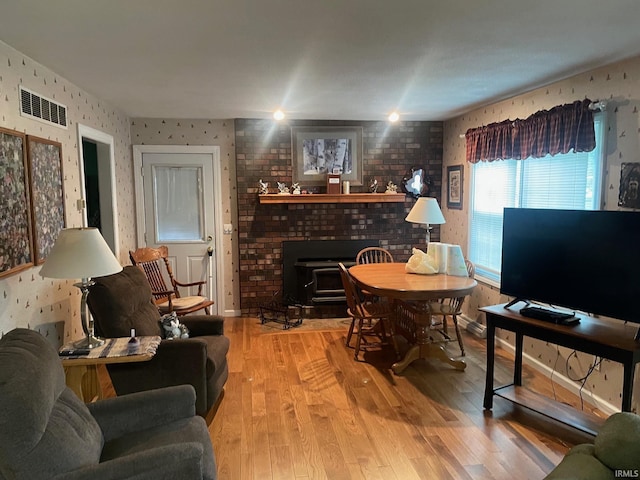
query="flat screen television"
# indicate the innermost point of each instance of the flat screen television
(582, 260)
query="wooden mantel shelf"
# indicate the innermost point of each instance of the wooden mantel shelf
(338, 198)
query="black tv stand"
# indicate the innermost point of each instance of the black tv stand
(592, 336)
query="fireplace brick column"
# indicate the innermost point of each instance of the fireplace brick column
(263, 151)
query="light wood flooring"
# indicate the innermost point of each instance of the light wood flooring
(298, 406)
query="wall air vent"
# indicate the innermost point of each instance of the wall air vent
(40, 108)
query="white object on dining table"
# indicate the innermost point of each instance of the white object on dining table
(440, 258)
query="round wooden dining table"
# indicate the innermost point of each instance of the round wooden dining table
(411, 295)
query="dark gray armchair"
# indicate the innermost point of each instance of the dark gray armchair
(123, 301)
(48, 432)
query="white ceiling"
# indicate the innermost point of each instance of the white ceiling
(317, 59)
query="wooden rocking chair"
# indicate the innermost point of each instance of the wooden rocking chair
(150, 261)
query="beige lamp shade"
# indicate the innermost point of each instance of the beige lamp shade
(427, 211)
(80, 253)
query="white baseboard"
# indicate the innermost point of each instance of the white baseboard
(603, 405)
(478, 329)
(471, 326)
(232, 313)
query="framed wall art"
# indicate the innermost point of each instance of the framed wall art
(47, 194)
(454, 187)
(16, 251)
(318, 151)
(629, 193)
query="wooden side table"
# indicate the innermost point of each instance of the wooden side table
(82, 371)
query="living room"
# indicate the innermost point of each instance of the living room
(51, 307)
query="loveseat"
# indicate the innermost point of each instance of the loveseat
(47, 432)
(123, 301)
(615, 453)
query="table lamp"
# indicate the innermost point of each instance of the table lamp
(81, 253)
(427, 211)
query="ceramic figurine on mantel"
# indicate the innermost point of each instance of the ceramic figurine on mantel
(263, 187)
(283, 189)
(391, 187)
(295, 188)
(373, 186)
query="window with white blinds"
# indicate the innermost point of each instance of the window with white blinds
(564, 181)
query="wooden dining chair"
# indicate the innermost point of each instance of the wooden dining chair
(450, 307)
(374, 314)
(374, 255)
(154, 262)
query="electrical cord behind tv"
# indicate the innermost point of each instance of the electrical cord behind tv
(555, 364)
(582, 380)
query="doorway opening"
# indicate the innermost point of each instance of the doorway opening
(97, 171)
(91, 183)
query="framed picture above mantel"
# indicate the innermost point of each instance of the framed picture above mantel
(318, 151)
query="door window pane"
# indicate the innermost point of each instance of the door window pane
(178, 204)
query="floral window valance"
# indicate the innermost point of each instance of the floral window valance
(547, 132)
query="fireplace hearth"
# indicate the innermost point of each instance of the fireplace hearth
(310, 269)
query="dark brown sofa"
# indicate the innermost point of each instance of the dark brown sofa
(123, 301)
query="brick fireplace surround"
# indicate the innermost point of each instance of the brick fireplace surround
(263, 151)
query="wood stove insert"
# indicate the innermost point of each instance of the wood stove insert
(310, 269)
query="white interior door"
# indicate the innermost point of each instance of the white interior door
(177, 208)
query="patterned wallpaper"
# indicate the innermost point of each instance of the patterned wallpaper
(619, 85)
(26, 299)
(158, 131)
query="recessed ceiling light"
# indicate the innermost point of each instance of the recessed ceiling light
(278, 115)
(394, 117)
